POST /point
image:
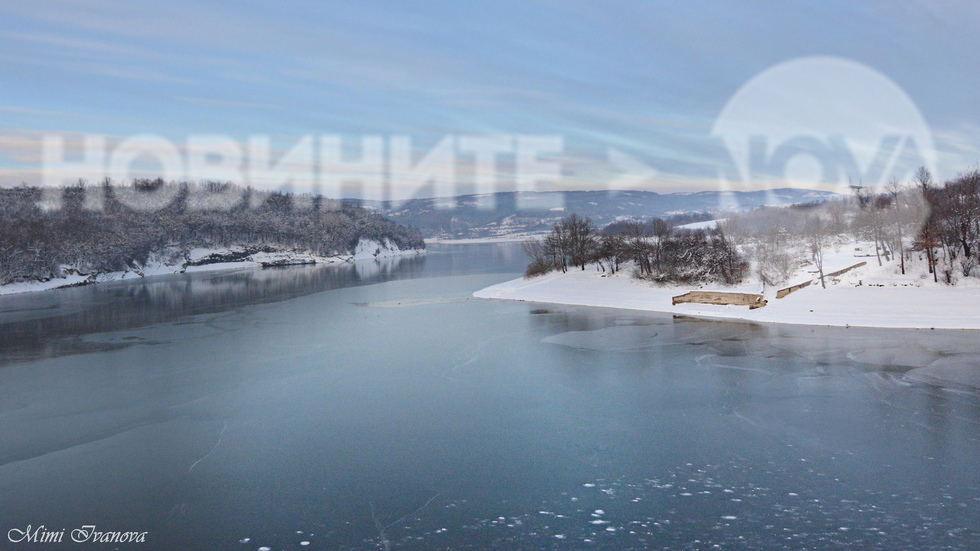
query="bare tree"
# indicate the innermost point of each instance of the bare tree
(660, 228)
(541, 261)
(774, 256)
(962, 209)
(636, 241)
(929, 237)
(556, 245)
(899, 216)
(816, 234)
(582, 239)
(610, 251)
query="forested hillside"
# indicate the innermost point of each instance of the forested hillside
(109, 228)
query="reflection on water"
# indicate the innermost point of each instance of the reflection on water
(48, 324)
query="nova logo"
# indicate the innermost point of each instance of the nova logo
(823, 123)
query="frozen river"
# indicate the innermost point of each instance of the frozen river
(378, 406)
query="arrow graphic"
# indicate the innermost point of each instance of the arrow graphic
(633, 174)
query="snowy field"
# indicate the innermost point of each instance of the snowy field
(365, 250)
(869, 296)
(706, 225)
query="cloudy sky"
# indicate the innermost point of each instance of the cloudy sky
(648, 79)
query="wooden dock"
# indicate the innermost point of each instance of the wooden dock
(751, 300)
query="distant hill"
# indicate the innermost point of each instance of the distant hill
(467, 216)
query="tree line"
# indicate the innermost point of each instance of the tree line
(918, 224)
(654, 248)
(951, 231)
(108, 227)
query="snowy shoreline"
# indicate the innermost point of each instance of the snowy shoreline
(365, 250)
(869, 296)
(509, 238)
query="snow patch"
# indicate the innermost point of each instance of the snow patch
(369, 248)
(706, 225)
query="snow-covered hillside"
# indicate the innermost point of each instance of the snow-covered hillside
(205, 260)
(869, 296)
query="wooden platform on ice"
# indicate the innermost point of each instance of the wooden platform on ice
(751, 300)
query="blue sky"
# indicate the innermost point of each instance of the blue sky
(648, 78)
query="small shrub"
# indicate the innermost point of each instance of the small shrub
(537, 267)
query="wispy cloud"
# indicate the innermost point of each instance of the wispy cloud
(644, 77)
(228, 103)
(32, 111)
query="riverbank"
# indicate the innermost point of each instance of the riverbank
(509, 238)
(210, 260)
(868, 296)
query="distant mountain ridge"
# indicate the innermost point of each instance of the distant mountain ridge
(467, 216)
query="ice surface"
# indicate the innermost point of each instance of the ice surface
(622, 337)
(960, 370)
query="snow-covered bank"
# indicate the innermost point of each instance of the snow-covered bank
(870, 296)
(368, 248)
(510, 238)
(209, 260)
